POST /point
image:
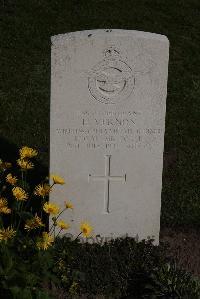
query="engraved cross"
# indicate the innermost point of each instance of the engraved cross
(107, 178)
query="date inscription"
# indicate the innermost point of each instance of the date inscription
(108, 130)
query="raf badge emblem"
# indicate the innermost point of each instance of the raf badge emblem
(111, 81)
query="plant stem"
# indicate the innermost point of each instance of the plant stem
(59, 232)
(20, 217)
(78, 235)
(57, 218)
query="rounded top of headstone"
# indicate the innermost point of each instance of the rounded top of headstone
(61, 38)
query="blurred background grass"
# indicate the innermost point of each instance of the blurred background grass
(26, 27)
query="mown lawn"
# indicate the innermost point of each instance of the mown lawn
(26, 27)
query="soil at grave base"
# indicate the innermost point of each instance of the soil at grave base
(184, 245)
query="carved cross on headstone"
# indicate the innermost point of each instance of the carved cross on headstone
(107, 178)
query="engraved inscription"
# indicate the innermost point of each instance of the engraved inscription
(112, 80)
(107, 178)
(109, 130)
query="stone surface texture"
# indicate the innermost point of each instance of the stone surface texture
(108, 99)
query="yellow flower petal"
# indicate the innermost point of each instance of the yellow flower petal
(11, 179)
(51, 208)
(86, 229)
(69, 205)
(42, 190)
(6, 234)
(4, 206)
(27, 152)
(45, 241)
(57, 179)
(62, 224)
(3, 202)
(35, 222)
(5, 210)
(4, 165)
(19, 193)
(25, 164)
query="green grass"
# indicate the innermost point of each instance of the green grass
(26, 27)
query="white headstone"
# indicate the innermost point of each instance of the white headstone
(108, 95)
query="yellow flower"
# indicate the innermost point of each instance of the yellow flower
(51, 208)
(25, 164)
(57, 179)
(42, 190)
(62, 224)
(6, 234)
(7, 165)
(11, 179)
(5, 210)
(69, 205)
(33, 223)
(19, 193)
(45, 241)
(3, 202)
(27, 152)
(86, 229)
(4, 206)
(4, 165)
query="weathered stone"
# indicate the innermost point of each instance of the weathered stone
(108, 94)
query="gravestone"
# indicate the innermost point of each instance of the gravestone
(108, 95)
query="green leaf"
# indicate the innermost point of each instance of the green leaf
(25, 215)
(15, 291)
